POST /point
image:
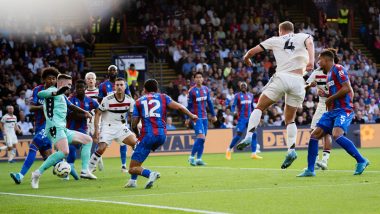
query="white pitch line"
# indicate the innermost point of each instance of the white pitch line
(113, 202)
(258, 169)
(236, 190)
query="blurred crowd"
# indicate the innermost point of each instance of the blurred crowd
(23, 56)
(212, 36)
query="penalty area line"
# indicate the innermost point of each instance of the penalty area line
(112, 202)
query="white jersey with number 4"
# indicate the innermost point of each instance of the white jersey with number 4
(114, 111)
(289, 50)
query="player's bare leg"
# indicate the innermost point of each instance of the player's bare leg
(136, 169)
(254, 120)
(291, 130)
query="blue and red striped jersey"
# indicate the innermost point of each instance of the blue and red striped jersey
(39, 117)
(151, 109)
(87, 104)
(198, 101)
(335, 78)
(107, 87)
(244, 104)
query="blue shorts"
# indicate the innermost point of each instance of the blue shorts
(148, 143)
(201, 126)
(335, 118)
(42, 141)
(242, 125)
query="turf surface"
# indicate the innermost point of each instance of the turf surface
(241, 185)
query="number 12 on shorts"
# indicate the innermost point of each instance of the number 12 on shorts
(153, 111)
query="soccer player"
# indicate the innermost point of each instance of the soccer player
(106, 88)
(243, 102)
(93, 92)
(40, 141)
(151, 109)
(319, 79)
(338, 117)
(55, 111)
(198, 100)
(293, 53)
(9, 128)
(113, 111)
(78, 122)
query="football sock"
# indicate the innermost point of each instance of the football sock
(195, 147)
(312, 153)
(145, 173)
(29, 159)
(291, 130)
(350, 148)
(123, 154)
(254, 121)
(51, 160)
(11, 154)
(72, 154)
(85, 155)
(254, 143)
(134, 177)
(325, 155)
(95, 157)
(234, 141)
(200, 147)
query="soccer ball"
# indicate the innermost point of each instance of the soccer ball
(62, 169)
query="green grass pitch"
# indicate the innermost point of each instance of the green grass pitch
(241, 185)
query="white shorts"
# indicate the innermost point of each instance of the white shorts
(321, 109)
(288, 84)
(10, 139)
(118, 133)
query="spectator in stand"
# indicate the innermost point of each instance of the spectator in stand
(26, 126)
(169, 124)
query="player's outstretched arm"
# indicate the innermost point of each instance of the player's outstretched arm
(176, 106)
(79, 111)
(98, 113)
(310, 50)
(253, 51)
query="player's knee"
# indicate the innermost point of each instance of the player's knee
(87, 139)
(317, 133)
(202, 136)
(132, 170)
(336, 135)
(65, 151)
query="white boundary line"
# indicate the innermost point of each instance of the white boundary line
(112, 202)
(247, 189)
(258, 169)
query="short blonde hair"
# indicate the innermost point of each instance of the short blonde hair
(89, 74)
(286, 26)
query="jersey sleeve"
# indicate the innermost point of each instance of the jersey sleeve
(132, 106)
(47, 92)
(3, 119)
(35, 97)
(341, 75)
(311, 78)
(136, 112)
(102, 93)
(210, 105)
(104, 105)
(68, 102)
(168, 99)
(95, 104)
(234, 103)
(268, 44)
